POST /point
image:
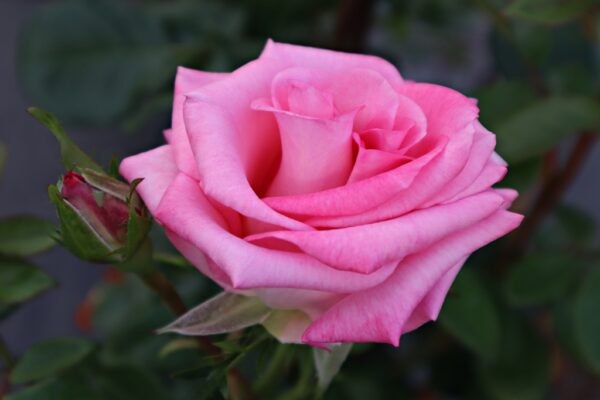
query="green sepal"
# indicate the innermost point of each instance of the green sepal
(70, 153)
(139, 222)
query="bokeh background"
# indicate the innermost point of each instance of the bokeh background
(106, 68)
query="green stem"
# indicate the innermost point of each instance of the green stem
(278, 364)
(304, 386)
(158, 283)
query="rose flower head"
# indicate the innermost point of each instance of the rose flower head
(325, 184)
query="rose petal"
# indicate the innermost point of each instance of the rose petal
(157, 168)
(368, 92)
(450, 116)
(509, 196)
(483, 146)
(234, 145)
(186, 81)
(184, 208)
(381, 313)
(491, 174)
(372, 162)
(199, 260)
(358, 196)
(316, 154)
(366, 248)
(301, 56)
(429, 308)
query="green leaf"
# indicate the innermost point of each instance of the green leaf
(469, 314)
(548, 11)
(177, 345)
(541, 278)
(93, 60)
(25, 235)
(72, 156)
(544, 124)
(60, 389)
(329, 363)
(572, 78)
(522, 370)
(128, 383)
(138, 224)
(174, 260)
(211, 385)
(226, 312)
(567, 334)
(578, 225)
(533, 42)
(50, 358)
(585, 319)
(20, 281)
(501, 100)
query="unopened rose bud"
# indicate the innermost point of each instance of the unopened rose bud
(106, 214)
(101, 218)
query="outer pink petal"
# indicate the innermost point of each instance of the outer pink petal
(447, 111)
(491, 174)
(381, 313)
(184, 210)
(366, 248)
(509, 196)
(481, 150)
(186, 81)
(300, 56)
(199, 260)
(429, 308)
(234, 145)
(157, 168)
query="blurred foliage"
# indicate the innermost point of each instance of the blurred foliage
(102, 61)
(514, 326)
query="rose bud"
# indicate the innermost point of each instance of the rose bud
(106, 214)
(96, 215)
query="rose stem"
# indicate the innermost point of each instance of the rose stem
(168, 294)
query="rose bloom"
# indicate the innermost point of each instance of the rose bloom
(323, 182)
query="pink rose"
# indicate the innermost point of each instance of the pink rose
(322, 181)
